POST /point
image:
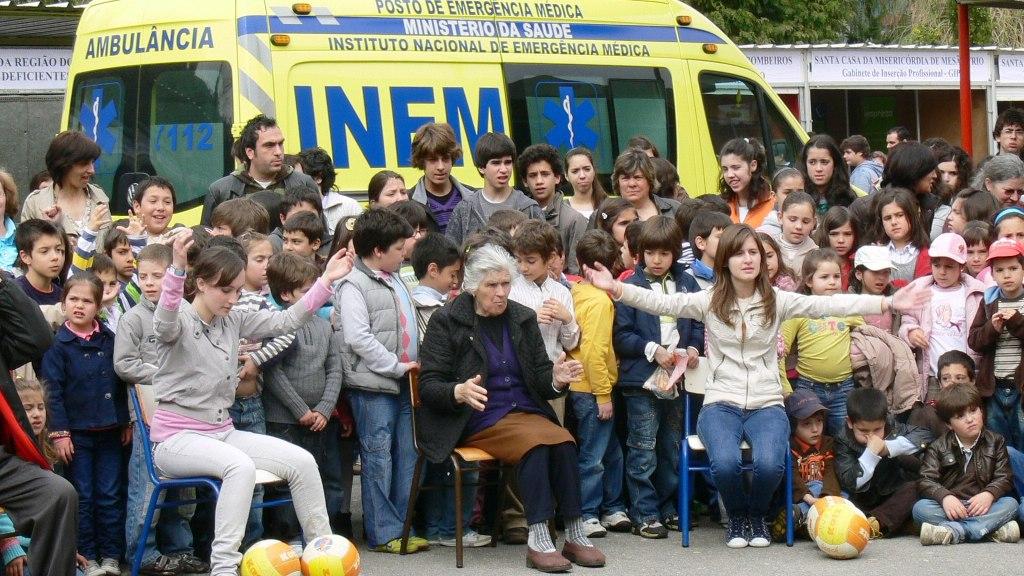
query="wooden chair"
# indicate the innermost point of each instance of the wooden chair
(463, 460)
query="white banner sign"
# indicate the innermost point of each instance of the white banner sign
(894, 67)
(34, 68)
(778, 66)
(1011, 68)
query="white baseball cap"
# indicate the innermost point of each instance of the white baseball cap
(874, 258)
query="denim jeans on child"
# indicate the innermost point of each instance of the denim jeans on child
(600, 458)
(172, 524)
(384, 426)
(247, 415)
(654, 428)
(96, 473)
(439, 505)
(973, 528)
(833, 397)
(1005, 416)
(721, 427)
(286, 524)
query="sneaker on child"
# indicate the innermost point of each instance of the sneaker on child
(617, 522)
(592, 528)
(470, 539)
(653, 530)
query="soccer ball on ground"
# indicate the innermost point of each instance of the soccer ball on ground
(271, 558)
(331, 555)
(838, 527)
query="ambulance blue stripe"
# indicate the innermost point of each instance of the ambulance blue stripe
(396, 27)
(252, 25)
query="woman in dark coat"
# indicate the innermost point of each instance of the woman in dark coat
(485, 383)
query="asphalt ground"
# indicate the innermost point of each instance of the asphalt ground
(708, 555)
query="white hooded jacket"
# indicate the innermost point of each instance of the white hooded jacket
(744, 357)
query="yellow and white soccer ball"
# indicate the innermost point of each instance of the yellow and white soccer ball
(331, 555)
(838, 527)
(271, 558)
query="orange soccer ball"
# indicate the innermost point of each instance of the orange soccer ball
(838, 527)
(271, 558)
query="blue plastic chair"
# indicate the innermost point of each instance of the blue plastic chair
(693, 458)
(143, 411)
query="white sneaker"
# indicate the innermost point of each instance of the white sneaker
(470, 539)
(111, 566)
(617, 522)
(592, 528)
(1008, 533)
(93, 569)
(932, 534)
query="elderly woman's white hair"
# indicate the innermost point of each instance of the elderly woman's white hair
(998, 168)
(485, 260)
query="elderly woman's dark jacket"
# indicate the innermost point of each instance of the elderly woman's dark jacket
(452, 352)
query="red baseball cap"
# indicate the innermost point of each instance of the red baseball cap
(1005, 248)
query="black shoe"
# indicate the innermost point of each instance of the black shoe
(760, 535)
(515, 536)
(737, 535)
(653, 530)
(163, 566)
(190, 564)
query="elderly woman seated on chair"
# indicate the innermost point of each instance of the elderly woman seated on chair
(485, 383)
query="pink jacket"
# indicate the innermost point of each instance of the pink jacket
(923, 318)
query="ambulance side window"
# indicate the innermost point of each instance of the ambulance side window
(731, 108)
(98, 110)
(783, 142)
(600, 108)
(188, 118)
(736, 108)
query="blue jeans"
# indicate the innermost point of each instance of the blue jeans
(1005, 416)
(439, 505)
(328, 459)
(721, 427)
(653, 431)
(1017, 465)
(972, 529)
(833, 397)
(384, 426)
(172, 524)
(600, 458)
(247, 415)
(96, 474)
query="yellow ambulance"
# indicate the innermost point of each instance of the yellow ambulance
(164, 86)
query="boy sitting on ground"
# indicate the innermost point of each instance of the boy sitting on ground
(965, 477)
(876, 462)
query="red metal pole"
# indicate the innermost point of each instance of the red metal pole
(966, 122)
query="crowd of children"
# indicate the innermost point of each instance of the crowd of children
(889, 356)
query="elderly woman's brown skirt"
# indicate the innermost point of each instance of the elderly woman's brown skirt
(516, 434)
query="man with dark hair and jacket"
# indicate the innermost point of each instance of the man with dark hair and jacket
(260, 149)
(42, 505)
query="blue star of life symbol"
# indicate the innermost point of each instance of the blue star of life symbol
(570, 118)
(95, 116)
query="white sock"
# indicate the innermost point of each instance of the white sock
(539, 538)
(574, 532)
